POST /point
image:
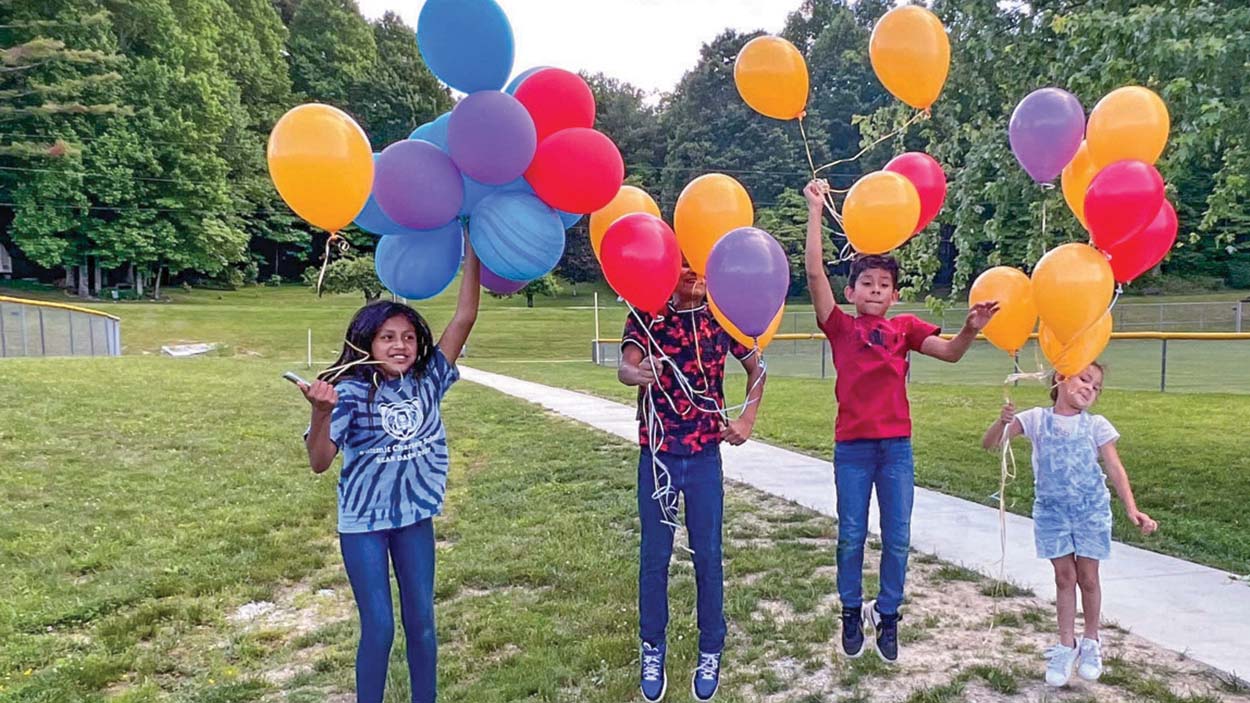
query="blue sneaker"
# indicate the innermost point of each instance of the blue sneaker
(706, 677)
(654, 676)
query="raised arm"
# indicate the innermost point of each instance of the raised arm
(814, 251)
(457, 331)
(952, 350)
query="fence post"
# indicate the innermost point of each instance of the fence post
(594, 352)
(91, 332)
(4, 347)
(1239, 304)
(1163, 368)
(70, 316)
(43, 338)
(25, 351)
(310, 347)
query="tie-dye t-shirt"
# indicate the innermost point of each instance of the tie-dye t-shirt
(394, 449)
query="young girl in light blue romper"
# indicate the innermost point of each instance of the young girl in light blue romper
(1072, 507)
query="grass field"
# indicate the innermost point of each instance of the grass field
(151, 504)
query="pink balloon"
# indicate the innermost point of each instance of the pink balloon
(927, 175)
(1121, 200)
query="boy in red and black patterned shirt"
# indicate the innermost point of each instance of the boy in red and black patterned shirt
(688, 432)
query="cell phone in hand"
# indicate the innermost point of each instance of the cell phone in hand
(294, 378)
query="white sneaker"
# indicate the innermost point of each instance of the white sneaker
(1089, 660)
(1062, 664)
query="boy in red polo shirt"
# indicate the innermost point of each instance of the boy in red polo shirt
(873, 432)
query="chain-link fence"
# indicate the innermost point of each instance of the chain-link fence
(37, 328)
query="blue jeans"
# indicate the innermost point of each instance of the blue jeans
(365, 556)
(857, 466)
(698, 479)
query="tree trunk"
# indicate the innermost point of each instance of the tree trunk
(84, 289)
(156, 286)
(529, 300)
(96, 280)
(130, 273)
(138, 281)
(69, 278)
(277, 250)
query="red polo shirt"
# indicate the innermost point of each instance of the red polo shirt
(870, 356)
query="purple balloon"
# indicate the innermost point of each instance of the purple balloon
(1046, 131)
(416, 185)
(498, 284)
(748, 276)
(491, 137)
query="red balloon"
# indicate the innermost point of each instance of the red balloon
(1139, 253)
(576, 170)
(927, 175)
(1121, 200)
(641, 260)
(556, 100)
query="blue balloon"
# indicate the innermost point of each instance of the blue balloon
(516, 82)
(474, 192)
(516, 235)
(569, 218)
(422, 265)
(434, 131)
(466, 43)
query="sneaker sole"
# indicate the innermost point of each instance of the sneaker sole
(663, 690)
(695, 695)
(857, 655)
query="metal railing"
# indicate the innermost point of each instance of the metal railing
(39, 328)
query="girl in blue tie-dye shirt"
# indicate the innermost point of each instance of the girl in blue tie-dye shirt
(379, 405)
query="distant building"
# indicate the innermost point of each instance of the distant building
(6, 262)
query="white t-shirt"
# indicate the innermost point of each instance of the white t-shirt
(1032, 421)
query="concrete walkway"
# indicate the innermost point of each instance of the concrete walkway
(1200, 611)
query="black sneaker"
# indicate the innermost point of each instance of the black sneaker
(853, 632)
(886, 628)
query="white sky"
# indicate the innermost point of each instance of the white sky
(649, 43)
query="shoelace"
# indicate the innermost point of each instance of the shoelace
(651, 667)
(1056, 653)
(1092, 654)
(708, 665)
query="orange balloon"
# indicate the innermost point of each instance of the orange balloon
(1017, 313)
(771, 76)
(1071, 358)
(628, 200)
(1072, 285)
(880, 212)
(1076, 179)
(707, 209)
(322, 165)
(911, 54)
(1128, 123)
(764, 340)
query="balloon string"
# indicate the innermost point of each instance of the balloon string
(333, 373)
(335, 239)
(1046, 187)
(829, 203)
(920, 114)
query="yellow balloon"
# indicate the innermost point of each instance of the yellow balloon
(628, 200)
(771, 76)
(765, 339)
(321, 163)
(880, 212)
(1072, 285)
(1071, 358)
(707, 209)
(1010, 328)
(911, 54)
(1076, 178)
(1128, 123)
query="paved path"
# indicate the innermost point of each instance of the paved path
(1180, 605)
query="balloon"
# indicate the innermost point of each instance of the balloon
(557, 99)
(466, 43)
(1122, 199)
(911, 54)
(434, 131)
(749, 274)
(641, 260)
(516, 235)
(629, 199)
(1128, 123)
(420, 266)
(576, 170)
(926, 174)
(321, 163)
(1072, 285)
(498, 284)
(880, 212)
(491, 137)
(1141, 252)
(1076, 177)
(764, 339)
(708, 208)
(1017, 313)
(474, 192)
(417, 185)
(568, 219)
(1072, 357)
(372, 220)
(771, 76)
(1045, 131)
(520, 78)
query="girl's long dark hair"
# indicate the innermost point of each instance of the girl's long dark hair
(360, 333)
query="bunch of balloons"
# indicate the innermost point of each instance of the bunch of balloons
(518, 161)
(748, 274)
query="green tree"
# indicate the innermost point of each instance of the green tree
(332, 52)
(622, 113)
(546, 286)
(350, 274)
(399, 92)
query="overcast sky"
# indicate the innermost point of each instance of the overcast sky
(649, 43)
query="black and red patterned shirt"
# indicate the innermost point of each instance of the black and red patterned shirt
(698, 344)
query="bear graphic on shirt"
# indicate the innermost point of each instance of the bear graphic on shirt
(402, 420)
